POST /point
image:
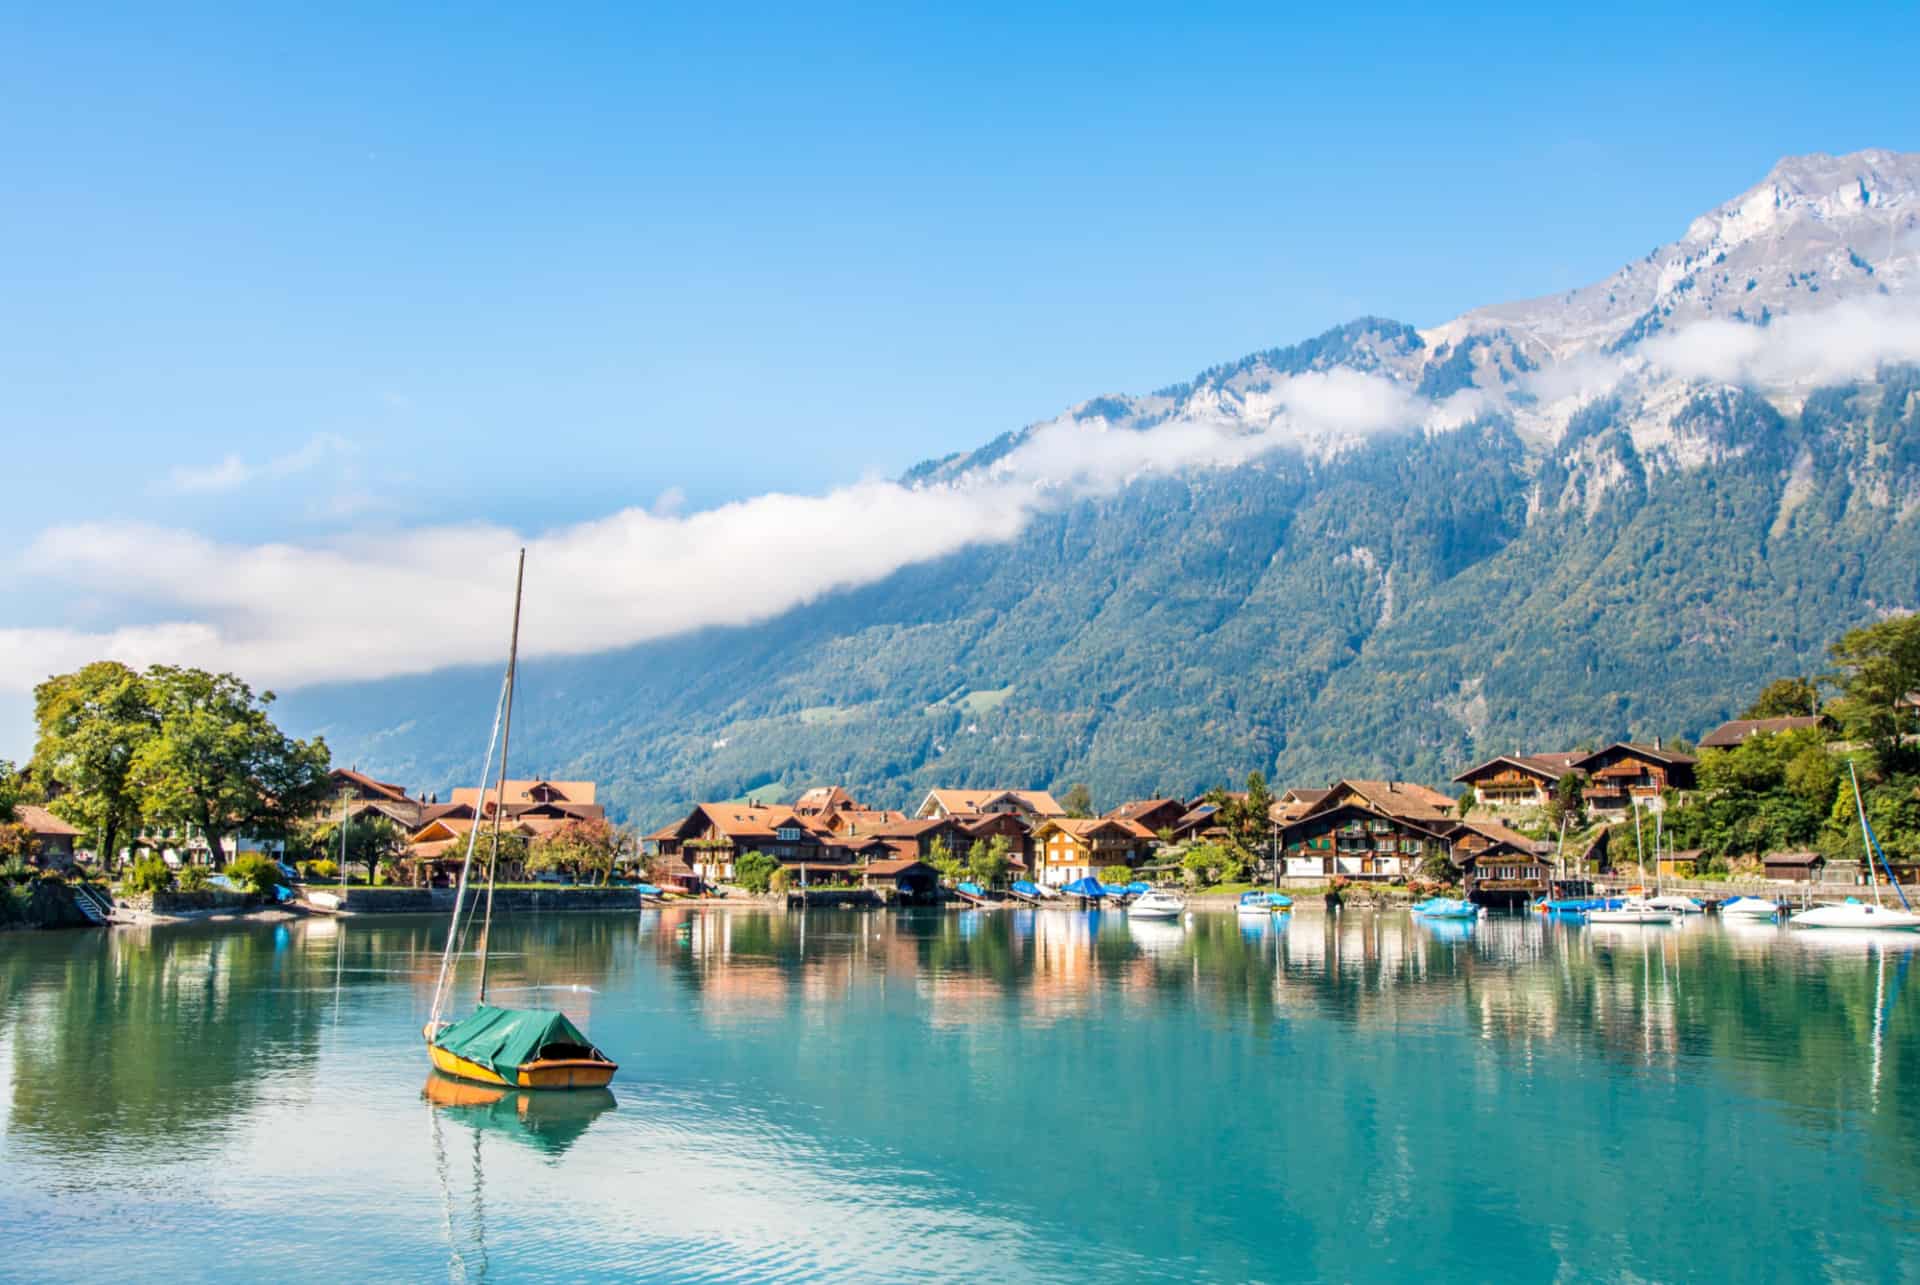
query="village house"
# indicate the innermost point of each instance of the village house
(1517, 780)
(52, 839)
(356, 794)
(1036, 804)
(822, 800)
(921, 838)
(1074, 848)
(1155, 814)
(1200, 822)
(560, 800)
(1794, 867)
(708, 840)
(854, 821)
(1374, 830)
(1011, 826)
(1498, 865)
(1735, 731)
(1626, 773)
(1294, 803)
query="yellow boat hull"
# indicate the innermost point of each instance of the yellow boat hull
(542, 1073)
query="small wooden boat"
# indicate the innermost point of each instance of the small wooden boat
(519, 1049)
(974, 895)
(515, 1048)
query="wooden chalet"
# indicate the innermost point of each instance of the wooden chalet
(1372, 830)
(1031, 803)
(905, 877)
(1736, 731)
(1199, 822)
(710, 838)
(1294, 803)
(1627, 772)
(1500, 866)
(1073, 848)
(355, 794)
(539, 797)
(822, 800)
(1155, 814)
(855, 821)
(1517, 780)
(919, 838)
(1011, 826)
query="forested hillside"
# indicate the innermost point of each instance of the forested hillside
(1538, 526)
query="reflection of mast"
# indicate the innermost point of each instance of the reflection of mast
(1879, 1021)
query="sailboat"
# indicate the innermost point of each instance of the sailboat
(1634, 910)
(516, 1047)
(1859, 914)
(1673, 901)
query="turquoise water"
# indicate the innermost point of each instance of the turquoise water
(1009, 1095)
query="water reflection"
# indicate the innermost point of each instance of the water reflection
(796, 1088)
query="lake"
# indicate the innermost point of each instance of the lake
(1015, 1095)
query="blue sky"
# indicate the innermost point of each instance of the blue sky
(729, 249)
(319, 273)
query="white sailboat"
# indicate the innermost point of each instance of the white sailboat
(1634, 910)
(1859, 914)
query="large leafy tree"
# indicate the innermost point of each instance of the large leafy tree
(1078, 800)
(217, 761)
(581, 848)
(1785, 698)
(92, 725)
(1878, 665)
(1247, 818)
(371, 841)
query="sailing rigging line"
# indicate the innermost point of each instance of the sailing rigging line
(466, 864)
(1873, 845)
(500, 796)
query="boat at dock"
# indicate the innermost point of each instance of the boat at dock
(974, 895)
(1157, 903)
(514, 1047)
(1634, 910)
(1749, 908)
(1032, 894)
(1085, 892)
(1854, 913)
(1261, 904)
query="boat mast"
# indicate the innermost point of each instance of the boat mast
(1866, 843)
(500, 794)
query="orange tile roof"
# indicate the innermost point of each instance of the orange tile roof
(523, 791)
(42, 822)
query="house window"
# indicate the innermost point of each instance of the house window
(789, 833)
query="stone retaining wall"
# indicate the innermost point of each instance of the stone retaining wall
(421, 901)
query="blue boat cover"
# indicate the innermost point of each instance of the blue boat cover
(1136, 888)
(1086, 887)
(1026, 888)
(646, 890)
(972, 889)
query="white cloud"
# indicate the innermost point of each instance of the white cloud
(233, 472)
(1846, 342)
(358, 607)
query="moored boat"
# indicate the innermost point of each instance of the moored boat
(1634, 910)
(1854, 913)
(1085, 892)
(517, 1048)
(1254, 904)
(1677, 904)
(974, 895)
(1749, 908)
(1027, 891)
(1157, 903)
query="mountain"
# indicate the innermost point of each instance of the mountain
(1384, 550)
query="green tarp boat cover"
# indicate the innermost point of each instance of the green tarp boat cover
(503, 1038)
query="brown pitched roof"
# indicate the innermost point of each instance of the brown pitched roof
(1640, 748)
(524, 791)
(1391, 798)
(822, 797)
(1037, 801)
(1734, 731)
(1551, 766)
(897, 866)
(41, 822)
(1498, 833)
(364, 781)
(1084, 827)
(1140, 807)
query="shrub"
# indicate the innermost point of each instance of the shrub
(255, 873)
(150, 874)
(1117, 875)
(16, 871)
(780, 882)
(323, 870)
(194, 879)
(754, 871)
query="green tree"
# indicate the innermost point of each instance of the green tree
(1785, 698)
(582, 848)
(1877, 666)
(372, 841)
(1116, 875)
(940, 857)
(217, 761)
(255, 873)
(150, 874)
(92, 725)
(1078, 801)
(1568, 803)
(1248, 820)
(987, 862)
(754, 871)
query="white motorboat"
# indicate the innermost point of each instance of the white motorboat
(1855, 914)
(1749, 908)
(1677, 904)
(1634, 910)
(1157, 904)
